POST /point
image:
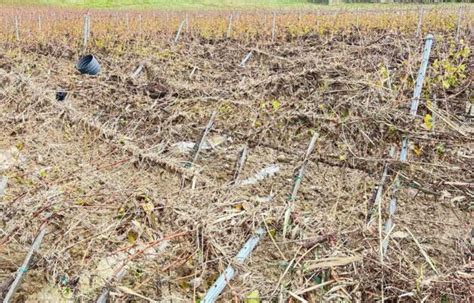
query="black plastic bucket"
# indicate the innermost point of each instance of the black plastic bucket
(88, 65)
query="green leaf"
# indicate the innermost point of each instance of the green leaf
(132, 237)
(20, 146)
(446, 84)
(276, 105)
(345, 113)
(418, 150)
(253, 297)
(272, 232)
(440, 149)
(428, 121)
(444, 299)
(43, 173)
(184, 285)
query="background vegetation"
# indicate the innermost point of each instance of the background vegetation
(205, 4)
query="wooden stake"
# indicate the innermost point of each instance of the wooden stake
(140, 28)
(240, 164)
(86, 31)
(274, 28)
(229, 27)
(40, 28)
(17, 29)
(200, 142)
(378, 196)
(357, 18)
(187, 23)
(317, 19)
(458, 24)
(420, 23)
(179, 31)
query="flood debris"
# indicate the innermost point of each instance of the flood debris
(105, 168)
(264, 173)
(3, 185)
(11, 157)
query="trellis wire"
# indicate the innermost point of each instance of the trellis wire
(229, 27)
(24, 267)
(297, 183)
(246, 58)
(215, 290)
(404, 152)
(179, 31)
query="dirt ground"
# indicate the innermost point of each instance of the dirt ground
(107, 172)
